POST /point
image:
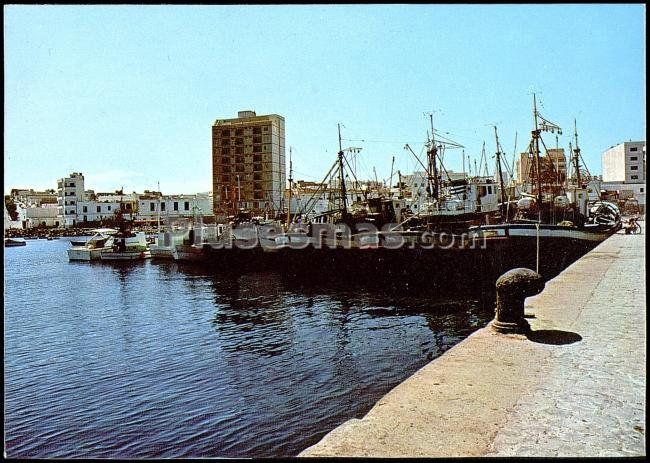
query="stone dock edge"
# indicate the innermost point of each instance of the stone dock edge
(574, 386)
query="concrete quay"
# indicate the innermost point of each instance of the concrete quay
(573, 387)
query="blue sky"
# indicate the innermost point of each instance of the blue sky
(128, 94)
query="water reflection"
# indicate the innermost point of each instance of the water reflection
(150, 360)
(251, 314)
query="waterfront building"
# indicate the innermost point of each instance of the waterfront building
(624, 172)
(248, 164)
(625, 163)
(29, 197)
(46, 215)
(70, 190)
(154, 205)
(143, 208)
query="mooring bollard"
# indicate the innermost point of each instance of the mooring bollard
(513, 287)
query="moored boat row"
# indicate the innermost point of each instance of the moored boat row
(462, 226)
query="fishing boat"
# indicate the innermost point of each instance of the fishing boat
(544, 238)
(554, 222)
(189, 245)
(125, 244)
(92, 248)
(14, 242)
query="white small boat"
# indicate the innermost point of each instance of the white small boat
(102, 240)
(14, 242)
(127, 246)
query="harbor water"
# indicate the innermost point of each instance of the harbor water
(169, 360)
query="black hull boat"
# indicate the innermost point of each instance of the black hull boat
(412, 259)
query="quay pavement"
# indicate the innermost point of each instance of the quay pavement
(573, 387)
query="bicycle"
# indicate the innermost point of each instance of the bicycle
(632, 226)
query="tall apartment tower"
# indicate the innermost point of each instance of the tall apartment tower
(248, 164)
(70, 191)
(625, 163)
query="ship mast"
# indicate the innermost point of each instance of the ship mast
(535, 134)
(432, 170)
(546, 126)
(344, 206)
(498, 155)
(290, 189)
(576, 156)
(159, 194)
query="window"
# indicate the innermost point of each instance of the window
(634, 177)
(72, 203)
(152, 207)
(634, 167)
(634, 158)
(640, 190)
(634, 148)
(187, 205)
(239, 132)
(257, 130)
(128, 206)
(109, 208)
(85, 210)
(225, 133)
(99, 208)
(175, 205)
(162, 206)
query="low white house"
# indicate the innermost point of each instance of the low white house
(46, 216)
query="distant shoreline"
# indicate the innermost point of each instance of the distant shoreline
(62, 232)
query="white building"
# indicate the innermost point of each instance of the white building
(625, 163)
(152, 205)
(70, 190)
(29, 197)
(624, 171)
(46, 215)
